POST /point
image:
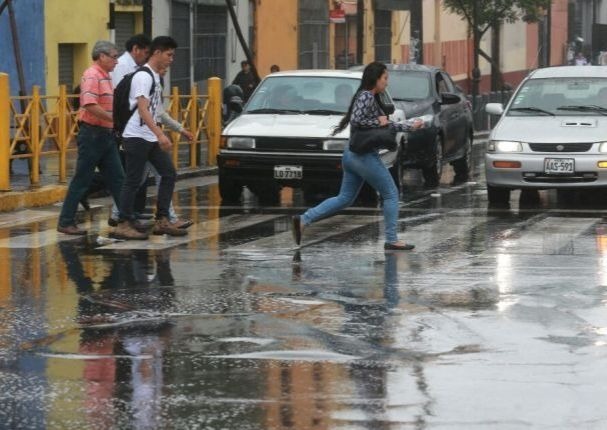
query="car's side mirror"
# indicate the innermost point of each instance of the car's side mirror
(449, 98)
(494, 108)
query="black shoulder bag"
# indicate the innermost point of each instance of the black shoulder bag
(364, 140)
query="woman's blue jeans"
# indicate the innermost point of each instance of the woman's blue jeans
(359, 168)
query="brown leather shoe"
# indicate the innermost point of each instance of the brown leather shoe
(164, 226)
(182, 223)
(72, 230)
(126, 231)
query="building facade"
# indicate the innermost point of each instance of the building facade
(294, 34)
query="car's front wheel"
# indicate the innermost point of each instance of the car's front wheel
(229, 190)
(498, 196)
(434, 169)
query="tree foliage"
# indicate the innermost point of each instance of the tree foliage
(490, 13)
(483, 15)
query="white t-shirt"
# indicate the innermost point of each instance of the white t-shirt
(141, 86)
(126, 64)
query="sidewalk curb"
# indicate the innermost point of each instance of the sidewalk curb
(51, 194)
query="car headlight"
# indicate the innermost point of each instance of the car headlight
(334, 144)
(504, 146)
(240, 143)
(603, 147)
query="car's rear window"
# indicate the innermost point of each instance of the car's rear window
(409, 85)
(304, 93)
(556, 95)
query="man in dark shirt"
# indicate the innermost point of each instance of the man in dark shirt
(245, 80)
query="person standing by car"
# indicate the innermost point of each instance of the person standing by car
(245, 79)
(144, 140)
(364, 112)
(96, 142)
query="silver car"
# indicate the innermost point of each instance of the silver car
(552, 133)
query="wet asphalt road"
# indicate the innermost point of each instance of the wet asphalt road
(496, 321)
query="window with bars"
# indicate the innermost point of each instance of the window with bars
(383, 36)
(313, 34)
(205, 44)
(66, 65)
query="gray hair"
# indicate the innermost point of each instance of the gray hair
(102, 47)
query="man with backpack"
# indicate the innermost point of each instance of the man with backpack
(135, 56)
(96, 142)
(143, 140)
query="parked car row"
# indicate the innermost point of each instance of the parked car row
(283, 137)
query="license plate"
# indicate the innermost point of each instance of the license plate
(559, 166)
(288, 172)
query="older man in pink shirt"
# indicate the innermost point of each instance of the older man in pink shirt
(96, 143)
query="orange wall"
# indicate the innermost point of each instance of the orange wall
(532, 45)
(559, 32)
(276, 35)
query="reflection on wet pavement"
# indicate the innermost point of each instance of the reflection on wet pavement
(496, 320)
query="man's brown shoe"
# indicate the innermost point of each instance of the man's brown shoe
(126, 231)
(182, 223)
(164, 226)
(71, 229)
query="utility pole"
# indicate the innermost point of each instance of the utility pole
(476, 71)
(147, 18)
(360, 30)
(243, 42)
(16, 48)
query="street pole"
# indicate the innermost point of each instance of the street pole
(549, 32)
(147, 18)
(17, 50)
(243, 42)
(476, 72)
(360, 29)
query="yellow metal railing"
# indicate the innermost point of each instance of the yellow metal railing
(37, 126)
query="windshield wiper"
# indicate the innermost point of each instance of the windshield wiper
(584, 108)
(397, 99)
(324, 112)
(272, 110)
(532, 109)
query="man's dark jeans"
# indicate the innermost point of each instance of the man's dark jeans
(136, 153)
(96, 147)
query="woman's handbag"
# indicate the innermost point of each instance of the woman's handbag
(365, 140)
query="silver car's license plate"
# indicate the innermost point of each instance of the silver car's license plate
(288, 172)
(559, 166)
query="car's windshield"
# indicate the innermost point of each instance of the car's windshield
(409, 85)
(303, 94)
(561, 97)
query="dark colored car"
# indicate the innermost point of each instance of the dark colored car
(428, 92)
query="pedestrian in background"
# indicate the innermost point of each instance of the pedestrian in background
(136, 54)
(364, 112)
(96, 142)
(274, 68)
(245, 80)
(144, 140)
(580, 60)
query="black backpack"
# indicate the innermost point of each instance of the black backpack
(121, 108)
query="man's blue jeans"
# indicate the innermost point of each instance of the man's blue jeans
(359, 168)
(96, 148)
